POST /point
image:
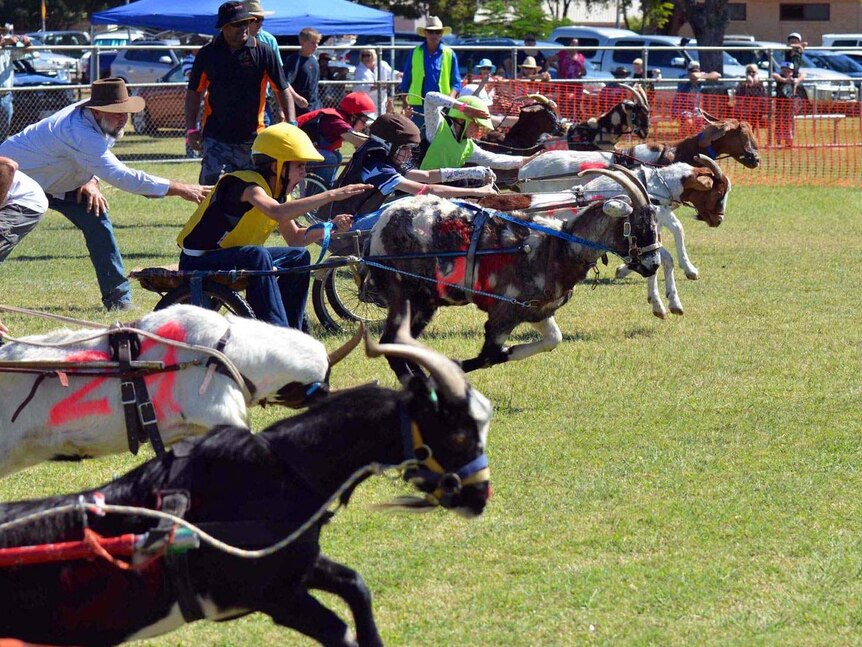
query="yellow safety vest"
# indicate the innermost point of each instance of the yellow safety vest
(417, 74)
(252, 229)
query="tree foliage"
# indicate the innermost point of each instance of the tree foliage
(26, 15)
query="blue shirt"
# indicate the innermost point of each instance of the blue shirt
(64, 151)
(433, 65)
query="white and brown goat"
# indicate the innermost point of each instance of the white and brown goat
(73, 417)
(526, 281)
(630, 116)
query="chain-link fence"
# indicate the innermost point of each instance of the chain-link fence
(157, 133)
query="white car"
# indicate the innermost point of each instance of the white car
(146, 61)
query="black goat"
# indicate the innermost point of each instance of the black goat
(534, 273)
(252, 490)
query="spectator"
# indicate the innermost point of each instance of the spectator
(570, 64)
(639, 72)
(530, 51)
(484, 88)
(750, 97)
(686, 102)
(613, 92)
(787, 102)
(386, 163)
(188, 61)
(452, 136)
(432, 67)
(303, 70)
(329, 128)
(531, 70)
(229, 230)
(232, 72)
(273, 113)
(67, 154)
(371, 84)
(11, 48)
(795, 49)
(22, 205)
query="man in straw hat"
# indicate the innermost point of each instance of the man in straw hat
(531, 70)
(232, 73)
(67, 154)
(432, 67)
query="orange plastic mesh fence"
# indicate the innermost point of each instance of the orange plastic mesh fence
(801, 142)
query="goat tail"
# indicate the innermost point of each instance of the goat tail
(406, 503)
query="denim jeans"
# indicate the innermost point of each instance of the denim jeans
(221, 157)
(279, 300)
(102, 246)
(6, 110)
(15, 223)
(327, 168)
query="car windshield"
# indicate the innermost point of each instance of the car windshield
(837, 62)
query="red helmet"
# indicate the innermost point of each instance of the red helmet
(357, 103)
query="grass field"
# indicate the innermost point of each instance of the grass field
(679, 482)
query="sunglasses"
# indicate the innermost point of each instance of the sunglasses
(433, 31)
(367, 56)
(241, 24)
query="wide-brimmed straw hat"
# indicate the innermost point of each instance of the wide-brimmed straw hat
(256, 9)
(435, 24)
(112, 95)
(530, 63)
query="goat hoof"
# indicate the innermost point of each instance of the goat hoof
(676, 310)
(661, 314)
(622, 272)
(693, 276)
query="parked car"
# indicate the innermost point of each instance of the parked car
(589, 38)
(841, 40)
(107, 42)
(837, 62)
(35, 105)
(139, 65)
(819, 82)
(51, 63)
(63, 38)
(165, 104)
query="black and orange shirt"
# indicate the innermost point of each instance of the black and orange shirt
(235, 84)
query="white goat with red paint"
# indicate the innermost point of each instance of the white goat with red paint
(85, 418)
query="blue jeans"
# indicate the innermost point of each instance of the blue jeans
(221, 157)
(327, 168)
(6, 110)
(279, 300)
(102, 245)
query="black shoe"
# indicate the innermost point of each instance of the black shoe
(120, 306)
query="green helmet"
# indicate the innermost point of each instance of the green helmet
(476, 102)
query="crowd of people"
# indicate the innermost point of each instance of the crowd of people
(266, 125)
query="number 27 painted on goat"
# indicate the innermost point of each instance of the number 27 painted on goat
(161, 386)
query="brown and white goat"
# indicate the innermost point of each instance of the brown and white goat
(533, 281)
(251, 490)
(84, 417)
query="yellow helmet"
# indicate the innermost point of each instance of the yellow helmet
(285, 142)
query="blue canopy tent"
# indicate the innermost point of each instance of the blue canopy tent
(289, 16)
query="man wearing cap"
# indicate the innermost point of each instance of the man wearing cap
(232, 73)
(795, 48)
(688, 97)
(11, 48)
(786, 90)
(431, 67)
(69, 153)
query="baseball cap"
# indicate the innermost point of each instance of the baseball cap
(693, 65)
(794, 34)
(788, 65)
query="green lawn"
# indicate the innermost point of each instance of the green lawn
(679, 482)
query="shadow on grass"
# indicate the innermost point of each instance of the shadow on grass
(639, 331)
(54, 257)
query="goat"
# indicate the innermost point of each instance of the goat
(42, 420)
(604, 131)
(533, 281)
(252, 490)
(524, 137)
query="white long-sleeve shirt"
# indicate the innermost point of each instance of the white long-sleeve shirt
(435, 102)
(368, 80)
(64, 151)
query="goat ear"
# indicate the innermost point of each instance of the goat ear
(699, 183)
(711, 133)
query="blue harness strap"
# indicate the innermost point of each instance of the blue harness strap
(327, 235)
(709, 150)
(479, 220)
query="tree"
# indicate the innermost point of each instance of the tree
(26, 15)
(708, 20)
(509, 19)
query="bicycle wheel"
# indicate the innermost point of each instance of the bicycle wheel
(215, 297)
(325, 315)
(310, 185)
(352, 296)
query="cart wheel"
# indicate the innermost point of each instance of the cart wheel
(311, 185)
(327, 318)
(352, 297)
(216, 297)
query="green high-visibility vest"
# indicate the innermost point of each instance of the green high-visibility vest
(446, 151)
(417, 75)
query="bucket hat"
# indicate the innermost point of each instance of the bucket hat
(230, 12)
(433, 23)
(485, 62)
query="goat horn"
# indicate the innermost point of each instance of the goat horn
(711, 165)
(643, 96)
(708, 117)
(343, 351)
(639, 200)
(545, 101)
(631, 174)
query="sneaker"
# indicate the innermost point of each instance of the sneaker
(120, 306)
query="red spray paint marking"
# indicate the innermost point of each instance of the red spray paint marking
(74, 406)
(164, 383)
(588, 165)
(489, 266)
(454, 278)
